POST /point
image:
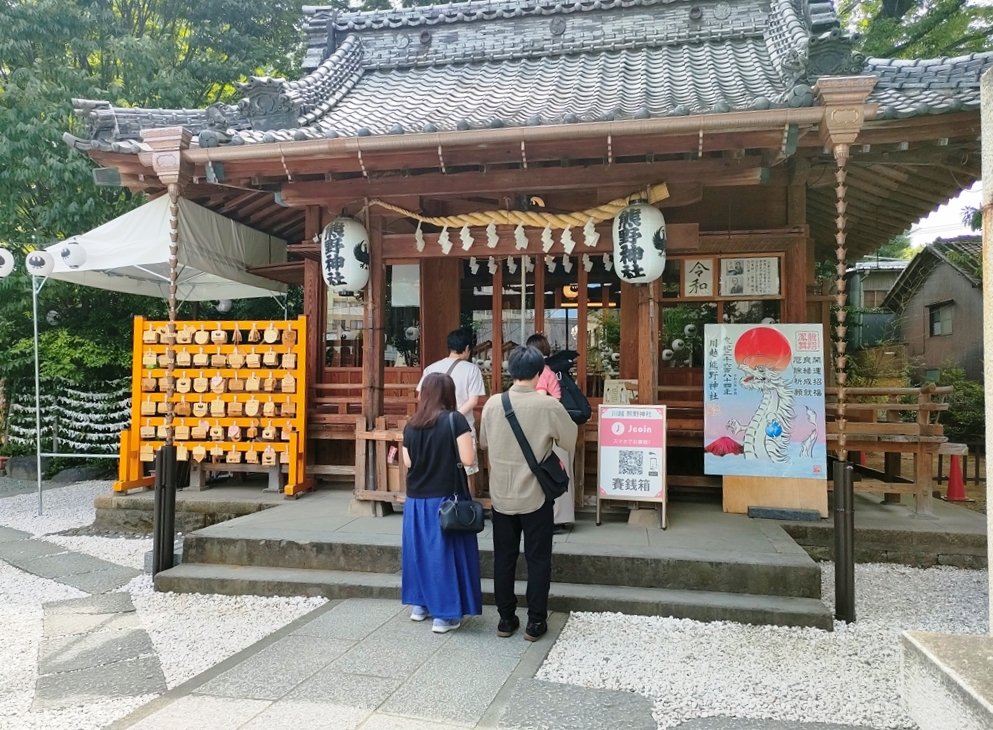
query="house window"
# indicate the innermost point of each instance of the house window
(940, 318)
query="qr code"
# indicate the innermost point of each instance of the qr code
(631, 462)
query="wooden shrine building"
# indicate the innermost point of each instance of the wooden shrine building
(772, 137)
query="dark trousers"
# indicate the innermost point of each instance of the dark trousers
(537, 527)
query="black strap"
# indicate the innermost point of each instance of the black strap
(454, 365)
(459, 469)
(518, 433)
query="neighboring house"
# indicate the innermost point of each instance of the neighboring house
(869, 281)
(938, 305)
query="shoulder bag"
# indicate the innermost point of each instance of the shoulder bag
(551, 474)
(460, 512)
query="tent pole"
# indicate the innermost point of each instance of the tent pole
(37, 385)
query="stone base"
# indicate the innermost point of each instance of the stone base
(177, 557)
(947, 680)
(369, 508)
(84, 474)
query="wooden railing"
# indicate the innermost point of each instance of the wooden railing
(894, 421)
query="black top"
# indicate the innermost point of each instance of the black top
(433, 457)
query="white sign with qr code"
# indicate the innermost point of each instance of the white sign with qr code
(632, 453)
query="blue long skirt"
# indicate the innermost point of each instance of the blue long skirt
(440, 569)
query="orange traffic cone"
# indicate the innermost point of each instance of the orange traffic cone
(956, 487)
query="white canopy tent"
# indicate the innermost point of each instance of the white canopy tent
(131, 254)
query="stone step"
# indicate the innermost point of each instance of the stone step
(790, 573)
(338, 584)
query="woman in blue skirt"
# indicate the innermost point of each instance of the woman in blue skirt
(440, 569)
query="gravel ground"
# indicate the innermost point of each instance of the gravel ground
(191, 633)
(850, 676)
(63, 508)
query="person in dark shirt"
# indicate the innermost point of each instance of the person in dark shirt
(440, 575)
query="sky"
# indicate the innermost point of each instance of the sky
(946, 221)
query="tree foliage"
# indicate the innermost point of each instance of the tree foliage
(151, 53)
(919, 28)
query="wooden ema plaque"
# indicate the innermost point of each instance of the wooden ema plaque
(214, 422)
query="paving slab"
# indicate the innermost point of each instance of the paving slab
(337, 688)
(134, 678)
(300, 715)
(382, 721)
(68, 624)
(9, 534)
(59, 565)
(13, 552)
(538, 705)
(353, 619)
(462, 686)
(101, 581)
(395, 649)
(728, 723)
(277, 669)
(198, 712)
(478, 634)
(105, 603)
(70, 653)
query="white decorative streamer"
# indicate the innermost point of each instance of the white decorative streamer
(493, 265)
(492, 239)
(566, 238)
(473, 265)
(511, 265)
(419, 237)
(590, 236)
(466, 235)
(528, 264)
(566, 264)
(550, 263)
(520, 238)
(587, 263)
(608, 263)
(546, 239)
(444, 241)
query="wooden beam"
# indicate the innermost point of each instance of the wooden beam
(713, 172)
(375, 331)
(648, 343)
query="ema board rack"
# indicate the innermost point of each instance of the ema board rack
(239, 397)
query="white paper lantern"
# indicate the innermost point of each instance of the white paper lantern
(667, 354)
(689, 330)
(412, 333)
(39, 263)
(639, 243)
(53, 318)
(224, 305)
(345, 256)
(677, 345)
(6, 263)
(71, 254)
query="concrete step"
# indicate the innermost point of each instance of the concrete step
(790, 573)
(336, 584)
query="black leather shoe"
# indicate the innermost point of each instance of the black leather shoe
(535, 630)
(508, 626)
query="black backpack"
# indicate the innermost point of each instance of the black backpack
(573, 400)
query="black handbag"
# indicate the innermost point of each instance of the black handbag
(460, 512)
(551, 474)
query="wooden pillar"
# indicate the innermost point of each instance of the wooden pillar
(793, 278)
(374, 342)
(315, 297)
(440, 306)
(582, 319)
(648, 343)
(629, 331)
(496, 339)
(539, 299)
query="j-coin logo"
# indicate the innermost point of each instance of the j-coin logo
(617, 428)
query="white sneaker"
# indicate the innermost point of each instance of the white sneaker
(444, 625)
(419, 613)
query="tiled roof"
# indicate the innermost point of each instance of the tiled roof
(525, 62)
(964, 254)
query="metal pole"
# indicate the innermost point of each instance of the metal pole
(37, 386)
(844, 543)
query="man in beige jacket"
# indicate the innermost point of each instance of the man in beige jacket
(519, 503)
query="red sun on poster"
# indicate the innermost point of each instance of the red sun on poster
(763, 346)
